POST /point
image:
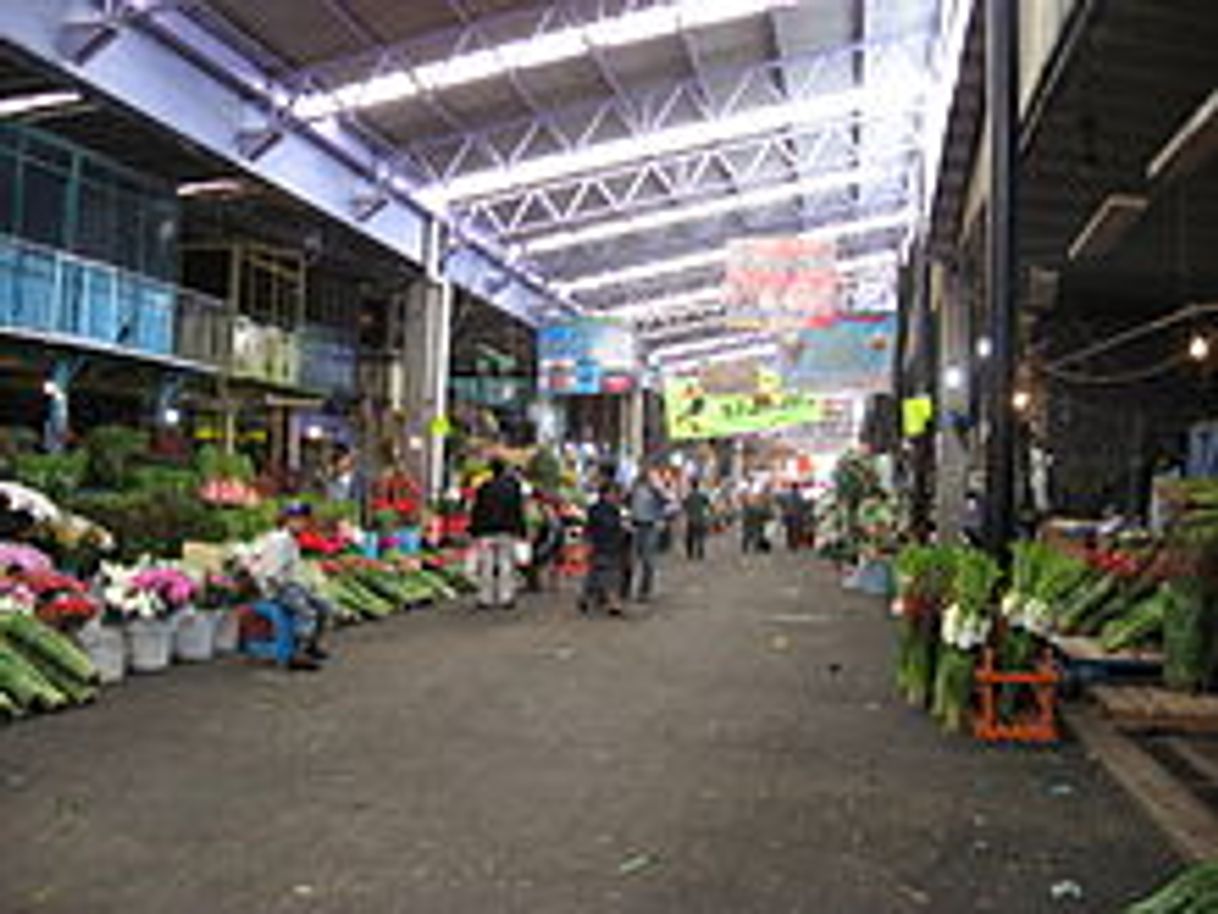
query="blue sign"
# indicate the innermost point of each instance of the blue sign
(586, 357)
(854, 353)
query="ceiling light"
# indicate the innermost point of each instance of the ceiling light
(953, 377)
(755, 121)
(537, 51)
(1198, 348)
(220, 187)
(718, 256)
(172, 417)
(1191, 146)
(985, 347)
(731, 203)
(37, 101)
(1021, 401)
(1107, 225)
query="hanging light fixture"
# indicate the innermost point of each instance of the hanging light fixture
(1199, 348)
(1021, 401)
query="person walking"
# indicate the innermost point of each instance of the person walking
(697, 519)
(791, 504)
(497, 523)
(647, 514)
(605, 532)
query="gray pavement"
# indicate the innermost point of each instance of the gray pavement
(734, 747)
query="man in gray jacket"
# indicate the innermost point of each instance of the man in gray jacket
(648, 509)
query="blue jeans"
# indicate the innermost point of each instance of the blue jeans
(309, 612)
(646, 544)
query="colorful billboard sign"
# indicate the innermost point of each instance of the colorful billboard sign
(586, 356)
(781, 284)
(692, 411)
(854, 353)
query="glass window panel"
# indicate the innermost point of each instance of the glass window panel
(97, 226)
(44, 205)
(8, 192)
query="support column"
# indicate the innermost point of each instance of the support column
(428, 324)
(57, 390)
(1002, 93)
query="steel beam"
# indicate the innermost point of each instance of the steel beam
(168, 68)
(1002, 91)
(669, 104)
(672, 180)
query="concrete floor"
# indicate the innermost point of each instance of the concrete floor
(735, 748)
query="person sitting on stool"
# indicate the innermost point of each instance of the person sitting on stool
(281, 575)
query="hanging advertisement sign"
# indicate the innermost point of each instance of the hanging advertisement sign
(692, 412)
(781, 284)
(854, 353)
(586, 356)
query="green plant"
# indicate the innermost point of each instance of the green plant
(152, 522)
(15, 440)
(112, 452)
(161, 478)
(215, 463)
(239, 525)
(55, 475)
(545, 469)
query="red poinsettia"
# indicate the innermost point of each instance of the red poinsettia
(68, 610)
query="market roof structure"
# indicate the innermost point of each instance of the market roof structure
(607, 150)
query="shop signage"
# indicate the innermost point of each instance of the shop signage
(586, 356)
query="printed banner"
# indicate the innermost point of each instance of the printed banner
(693, 412)
(854, 354)
(781, 284)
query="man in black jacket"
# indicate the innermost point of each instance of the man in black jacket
(606, 536)
(497, 523)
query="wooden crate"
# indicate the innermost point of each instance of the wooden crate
(1139, 707)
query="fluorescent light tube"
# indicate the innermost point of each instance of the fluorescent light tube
(755, 121)
(1107, 225)
(716, 256)
(731, 203)
(1191, 146)
(537, 51)
(38, 101)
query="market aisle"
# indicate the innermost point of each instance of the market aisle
(736, 749)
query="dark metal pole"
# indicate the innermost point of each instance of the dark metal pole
(1002, 93)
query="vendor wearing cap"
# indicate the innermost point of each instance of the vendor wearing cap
(282, 576)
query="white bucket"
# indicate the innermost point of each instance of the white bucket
(194, 636)
(227, 631)
(107, 649)
(149, 644)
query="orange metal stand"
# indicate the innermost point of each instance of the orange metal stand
(1036, 726)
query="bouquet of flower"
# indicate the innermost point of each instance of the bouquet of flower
(145, 591)
(19, 557)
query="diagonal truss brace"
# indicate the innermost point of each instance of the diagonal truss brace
(476, 163)
(698, 175)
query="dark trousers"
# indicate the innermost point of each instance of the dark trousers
(695, 541)
(646, 544)
(603, 581)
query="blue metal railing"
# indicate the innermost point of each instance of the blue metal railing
(54, 295)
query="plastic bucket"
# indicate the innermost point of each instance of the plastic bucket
(194, 636)
(227, 625)
(107, 649)
(149, 644)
